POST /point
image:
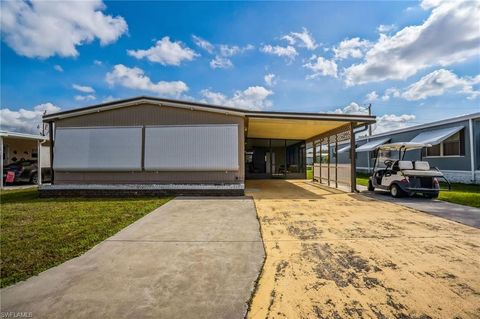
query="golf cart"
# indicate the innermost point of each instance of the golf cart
(404, 177)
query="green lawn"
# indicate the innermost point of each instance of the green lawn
(463, 194)
(37, 233)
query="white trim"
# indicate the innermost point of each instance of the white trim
(472, 149)
(213, 109)
(22, 135)
(142, 101)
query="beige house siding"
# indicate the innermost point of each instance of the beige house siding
(149, 114)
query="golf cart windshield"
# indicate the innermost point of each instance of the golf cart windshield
(385, 155)
(388, 153)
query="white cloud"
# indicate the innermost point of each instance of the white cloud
(165, 52)
(354, 48)
(253, 98)
(83, 88)
(135, 78)
(231, 50)
(390, 122)
(288, 52)
(97, 62)
(305, 38)
(321, 67)
(58, 68)
(203, 44)
(449, 35)
(385, 28)
(88, 97)
(385, 123)
(372, 96)
(46, 28)
(270, 79)
(220, 63)
(23, 120)
(391, 92)
(440, 81)
(352, 108)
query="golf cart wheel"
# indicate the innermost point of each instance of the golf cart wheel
(34, 179)
(396, 191)
(370, 186)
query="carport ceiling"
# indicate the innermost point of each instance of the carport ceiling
(295, 129)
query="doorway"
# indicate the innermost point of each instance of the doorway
(275, 158)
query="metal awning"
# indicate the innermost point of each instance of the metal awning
(436, 136)
(344, 149)
(372, 145)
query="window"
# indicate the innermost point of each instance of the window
(434, 150)
(452, 146)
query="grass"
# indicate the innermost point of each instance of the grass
(463, 194)
(37, 233)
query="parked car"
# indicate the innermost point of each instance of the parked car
(26, 171)
(404, 177)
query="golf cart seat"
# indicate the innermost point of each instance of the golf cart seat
(422, 166)
(405, 165)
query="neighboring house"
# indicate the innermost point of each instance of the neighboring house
(455, 147)
(16, 147)
(159, 145)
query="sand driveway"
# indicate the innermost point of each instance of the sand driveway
(337, 255)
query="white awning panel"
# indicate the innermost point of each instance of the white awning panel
(372, 145)
(344, 149)
(436, 136)
(192, 148)
(98, 149)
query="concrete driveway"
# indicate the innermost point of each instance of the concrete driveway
(191, 258)
(461, 214)
(337, 255)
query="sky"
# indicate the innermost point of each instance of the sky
(414, 62)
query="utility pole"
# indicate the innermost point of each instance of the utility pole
(370, 125)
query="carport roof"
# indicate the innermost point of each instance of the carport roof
(261, 124)
(22, 135)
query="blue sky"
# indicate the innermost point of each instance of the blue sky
(414, 61)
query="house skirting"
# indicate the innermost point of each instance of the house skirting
(122, 190)
(461, 176)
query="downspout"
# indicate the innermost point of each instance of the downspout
(472, 149)
(52, 143)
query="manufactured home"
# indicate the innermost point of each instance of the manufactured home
(163, 146)
(455, 147)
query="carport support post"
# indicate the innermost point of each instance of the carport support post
(314, 159)
(336, 161)
(320, 171)
(328, 160)
(353, 166)
(39, 163)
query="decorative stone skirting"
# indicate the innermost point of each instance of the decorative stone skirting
(132, 190)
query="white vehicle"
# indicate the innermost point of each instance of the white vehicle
(404, 177)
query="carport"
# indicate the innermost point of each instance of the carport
(286, 142)
(19, 146)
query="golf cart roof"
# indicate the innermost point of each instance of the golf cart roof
(404, 146)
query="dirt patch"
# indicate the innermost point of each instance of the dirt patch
(343, 256)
